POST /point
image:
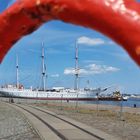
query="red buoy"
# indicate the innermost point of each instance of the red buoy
(117, 19)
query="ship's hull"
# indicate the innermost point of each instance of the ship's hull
(49, 95)
(81, 95)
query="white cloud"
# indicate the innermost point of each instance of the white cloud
(69, 71)
(98, 69)
(92, 69)
(55, 75)
(90, 41)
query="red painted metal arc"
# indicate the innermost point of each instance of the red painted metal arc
(117, 19)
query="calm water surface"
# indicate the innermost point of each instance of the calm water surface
(129, 103)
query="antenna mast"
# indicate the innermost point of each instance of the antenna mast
(43, 68)
(76, 67)
(17, 72)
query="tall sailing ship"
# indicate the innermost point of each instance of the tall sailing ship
(56, 93)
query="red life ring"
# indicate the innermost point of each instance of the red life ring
(117, 19)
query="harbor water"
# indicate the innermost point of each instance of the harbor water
(131, 102)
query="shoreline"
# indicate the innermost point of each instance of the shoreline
(123, 123)
(116, 106)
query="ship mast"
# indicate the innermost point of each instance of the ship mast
(76, 67)
(43, 68)
(17, 73)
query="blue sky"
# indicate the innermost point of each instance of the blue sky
(102, 62)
